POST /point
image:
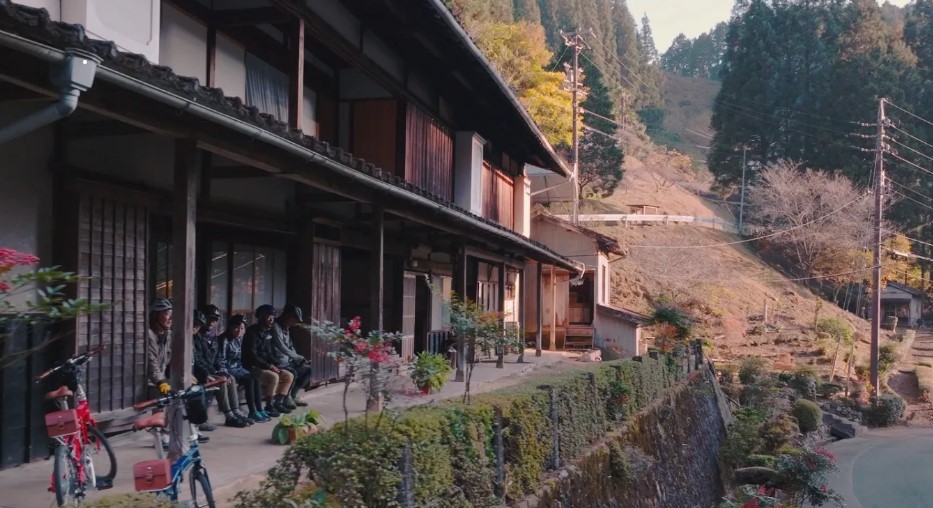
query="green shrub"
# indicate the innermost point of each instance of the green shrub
(884, 412)
(134, 500)
(452, 444)
(757, 460)
(889, 323)
(830, 389)
(752, 370)
(778, 431)
(887, 358)
(805, 386)
(743, 438)
(809, 416)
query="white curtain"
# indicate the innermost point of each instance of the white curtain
(266, 88)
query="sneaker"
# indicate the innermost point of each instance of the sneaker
(289, 403)
(243, 417)
(256, 417)
(235, 422)
(281, 408)
(271, 412)
(298, 402)
(203, 439)
(207, 427)
(265, 416)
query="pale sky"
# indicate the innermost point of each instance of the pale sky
(691, 17)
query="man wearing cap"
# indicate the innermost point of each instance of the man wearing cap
(261, 358)
(159, 345)
(288, 358)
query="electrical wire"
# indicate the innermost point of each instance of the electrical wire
(928, 122)
(918, 152)
(769, 235)
(912, 199)
(921, 168)
(908, 189)
(775, 279)
(915, 138)
(561, 57)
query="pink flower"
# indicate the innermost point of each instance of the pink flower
(4, 287)
(355, 324)
(10, 257)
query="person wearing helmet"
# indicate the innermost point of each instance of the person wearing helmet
(230, 346)
(205, 369)
(159, 344)
(288, 358)
(261, 358)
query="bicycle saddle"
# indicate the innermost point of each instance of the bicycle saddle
(62, 391)
(155, 421)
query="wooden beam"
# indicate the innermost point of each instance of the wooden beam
(11, 92)
(296, 79)
(377, 271)
(211, 71)
(251, 16)
(222, 172)
(184, 217)
(77, 130)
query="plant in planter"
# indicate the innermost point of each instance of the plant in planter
(292, 427)
(430, 372)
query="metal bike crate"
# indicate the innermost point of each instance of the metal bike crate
(62, 423)
(152, 475)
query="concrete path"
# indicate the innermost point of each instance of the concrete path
(885, 469)
(237, 459)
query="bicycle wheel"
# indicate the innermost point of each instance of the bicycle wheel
(105, 462)
(201, 494)
(64, 476)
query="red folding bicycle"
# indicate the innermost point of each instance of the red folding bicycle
(77, 441)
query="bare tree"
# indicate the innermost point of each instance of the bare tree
(823, 220)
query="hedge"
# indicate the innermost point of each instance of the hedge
(452, 446)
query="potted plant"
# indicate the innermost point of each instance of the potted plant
(292, 427)
(430, 371)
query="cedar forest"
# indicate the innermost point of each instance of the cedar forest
(800, 81)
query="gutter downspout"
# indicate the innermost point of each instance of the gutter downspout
(71, 75)
(255, 133)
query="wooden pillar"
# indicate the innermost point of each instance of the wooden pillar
(377, 270)
(460, 285)
(211, 70)
(184, 208)
(296, 81)
(553, 345)
(522, 319)
(539, 315)
(500, 356)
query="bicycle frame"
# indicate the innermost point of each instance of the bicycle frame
(191, 458)
(76, 442)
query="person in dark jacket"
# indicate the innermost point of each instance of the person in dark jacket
(206, 368)
(288, 358)
(230, 347)
(261, 358)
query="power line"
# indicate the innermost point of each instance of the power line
(905, 187)
(561, 57)
(912, 199)
(775, 279)
(698, 134)
(918, 152)
(597, 115)
(925, 170)
(909, 135)
(924, 120)
(769, 235)
(619, 60)
(587, 127)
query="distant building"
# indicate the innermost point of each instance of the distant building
(902, 301)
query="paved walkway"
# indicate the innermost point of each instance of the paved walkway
(886, 469)
(237, 459)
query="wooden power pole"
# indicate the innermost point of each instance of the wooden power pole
(876, 258)
(575, 40)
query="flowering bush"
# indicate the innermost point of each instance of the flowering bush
(40, 295)
(368, 358)
(803, 476)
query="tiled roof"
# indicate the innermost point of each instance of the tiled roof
(604, 243)
(36, 25)
(627, 315)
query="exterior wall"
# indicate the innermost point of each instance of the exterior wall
(183, 44)
(230, 67)
(26, 193)
(142, 159)
(617, 333)
(893, 296)
(531, 306)
(267, 194)
(468, 171)
(54, 7)
(567, 243)
(603, 281)
(132, 24)
(522, 203)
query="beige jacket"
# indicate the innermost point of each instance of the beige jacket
(158, 355)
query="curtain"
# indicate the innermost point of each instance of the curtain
(266, 88)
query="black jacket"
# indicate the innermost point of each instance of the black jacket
(205, 357)
(258, 349)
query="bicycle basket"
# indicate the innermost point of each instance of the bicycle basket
(196, 405)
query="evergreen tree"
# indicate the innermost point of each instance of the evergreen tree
(601, 156)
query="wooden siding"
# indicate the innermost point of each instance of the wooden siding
(374, 129)
(429, 154)
(498, 196)
(112, 251)
(409, 287)
(325, 306)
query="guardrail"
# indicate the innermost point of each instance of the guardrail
(635, 218)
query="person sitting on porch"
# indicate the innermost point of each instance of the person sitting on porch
(206, 368)
(259, 356)
(230, 346)
(288, 358)
(158, 359)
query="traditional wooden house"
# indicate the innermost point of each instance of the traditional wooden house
(576, 310)
(903, 302)
(340, 155)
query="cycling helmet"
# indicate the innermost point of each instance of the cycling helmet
(160, 304)
(292, 310)
(211, 312)
(199, 318)
(264, 311)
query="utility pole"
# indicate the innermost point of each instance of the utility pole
(575, 41)
(876, 258)
(742, 199)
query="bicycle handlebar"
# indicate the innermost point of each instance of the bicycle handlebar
(73, 361)
(164, 401)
